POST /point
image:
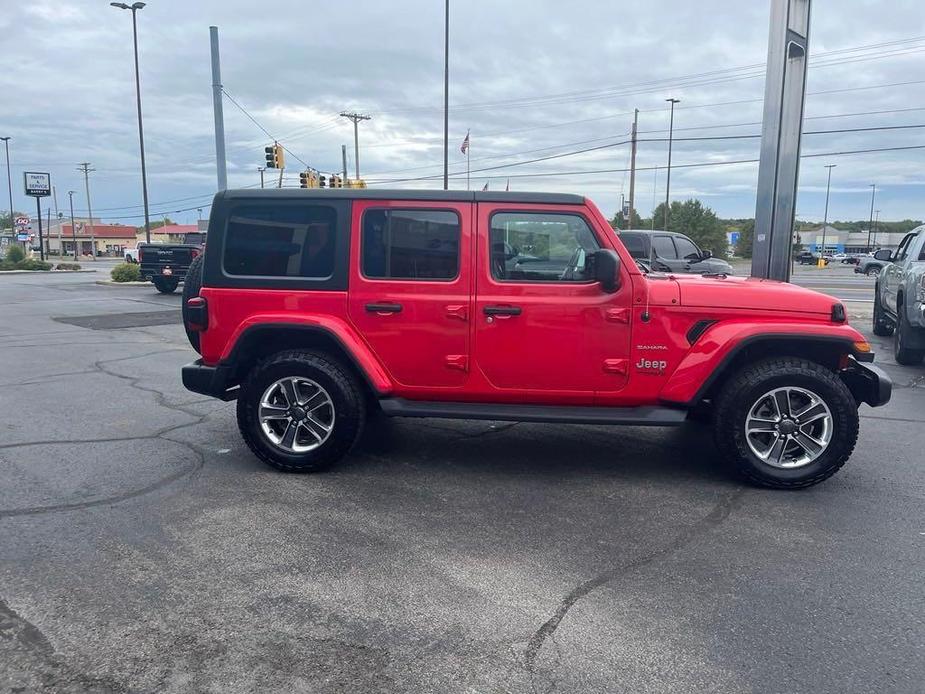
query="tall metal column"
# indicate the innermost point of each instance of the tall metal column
(778, 172)
(220, 164)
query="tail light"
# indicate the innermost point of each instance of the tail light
(197, 314)
(195, 253)
(141, 253)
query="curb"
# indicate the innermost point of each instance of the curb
(111, 283)
(41, 272)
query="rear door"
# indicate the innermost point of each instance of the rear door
(409, 289)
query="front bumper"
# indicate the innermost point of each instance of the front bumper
(208, 380)
(868, 383)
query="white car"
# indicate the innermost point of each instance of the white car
(131, 255)
(839, 257)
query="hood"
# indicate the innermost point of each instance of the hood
(751, 293)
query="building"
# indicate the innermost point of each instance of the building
(109, 239)
(841, 241)
(172, 233)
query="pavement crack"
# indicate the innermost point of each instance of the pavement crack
(17, 628)
(717, 515)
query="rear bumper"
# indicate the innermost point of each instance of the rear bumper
(868, 383)
(149, 272)
(208, 380)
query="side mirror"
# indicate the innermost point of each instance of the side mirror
(884, 254)
(706, 255)
(607, 269)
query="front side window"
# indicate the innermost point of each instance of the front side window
(686, 248)
(280, 241)
(538, 247)
(635, 244)
(664, 248)
(410, 244)
(903, 249)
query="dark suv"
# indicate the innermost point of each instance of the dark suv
(314, 308)
(669, 251)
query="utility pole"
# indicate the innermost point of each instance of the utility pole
(633, 167)
(261, 170)
(70, 196)
(876, 226)
(47, 250)
(58, 215)
(343, 154)
(825, 218)
(446, 97)
(672, 101)
(134, 7)
(85, 168)
(870, 225)
(220, 164)
(356, 118)
(9, 182)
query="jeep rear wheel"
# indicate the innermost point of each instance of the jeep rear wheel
(191, 288)
(786, 423)
(882, 325)
(165, 285)
(300, 411)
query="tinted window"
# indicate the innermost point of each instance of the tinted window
(529, 246)
(635, 244)
(903, 249)
(280, 241)
(410, 244)
(664, 248)
(686, 248)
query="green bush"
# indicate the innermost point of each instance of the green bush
(33, 264)
(126, 272)
(14, 254)
(68, 266)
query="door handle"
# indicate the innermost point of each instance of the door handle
(501, 310)
(383, 308)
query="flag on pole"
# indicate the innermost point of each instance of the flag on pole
(507, 188)
(485, 187)
(465, 144)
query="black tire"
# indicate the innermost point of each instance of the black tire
(191, 287)
(882, 325)
(904, 354)
(872, 271)
(745, 388)
(164, 285)
(346, 395)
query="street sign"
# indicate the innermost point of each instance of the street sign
(22, 221)
(23, 237)
(38, 185)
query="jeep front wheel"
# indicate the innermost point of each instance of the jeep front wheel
(300, 411)
(786, 423)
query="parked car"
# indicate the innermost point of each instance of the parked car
(870, 265)
(809, 258)
(131, 255)
(166, 265)
(899, 298)
(839, 257)
(313, 308)
(669, 251)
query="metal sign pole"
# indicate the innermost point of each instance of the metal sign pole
(778, 172)
(38, 209)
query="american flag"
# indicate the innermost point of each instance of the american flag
(465, 144)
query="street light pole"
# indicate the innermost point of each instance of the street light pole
(672, 101)
(70, 195)
(446, 97)
(9, 182)
(825, 219)
(870, 225)
(134, 7)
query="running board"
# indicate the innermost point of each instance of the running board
(634, 416)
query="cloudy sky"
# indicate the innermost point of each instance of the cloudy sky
(531, 79)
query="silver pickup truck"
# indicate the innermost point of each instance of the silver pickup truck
(899, 298)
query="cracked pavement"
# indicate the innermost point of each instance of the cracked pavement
(143, 548)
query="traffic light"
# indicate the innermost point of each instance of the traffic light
(305, 179)
(275, 159)
(336, 181)
(358, 183)
(322, 181)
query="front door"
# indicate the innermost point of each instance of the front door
(410, 289)
(544, 328)
(892, 273)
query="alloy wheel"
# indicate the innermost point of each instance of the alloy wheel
(296, 414)
(789, 427)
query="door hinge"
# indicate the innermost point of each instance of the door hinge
(460, 362)
(615, 366)
(458, 311)
(618, 315)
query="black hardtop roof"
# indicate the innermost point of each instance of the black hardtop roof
(649, 232)
(393, 194)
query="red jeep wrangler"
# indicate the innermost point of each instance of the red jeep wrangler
(315, 307)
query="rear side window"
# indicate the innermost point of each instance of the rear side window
(686, 248)
(410, 244)
(664, 248)
(281, 241)
(635, 244)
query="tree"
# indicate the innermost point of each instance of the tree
(635, 221)
(697, 221)
(6, 222)
(746, 239)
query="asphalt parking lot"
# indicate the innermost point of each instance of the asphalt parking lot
(143, 548)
